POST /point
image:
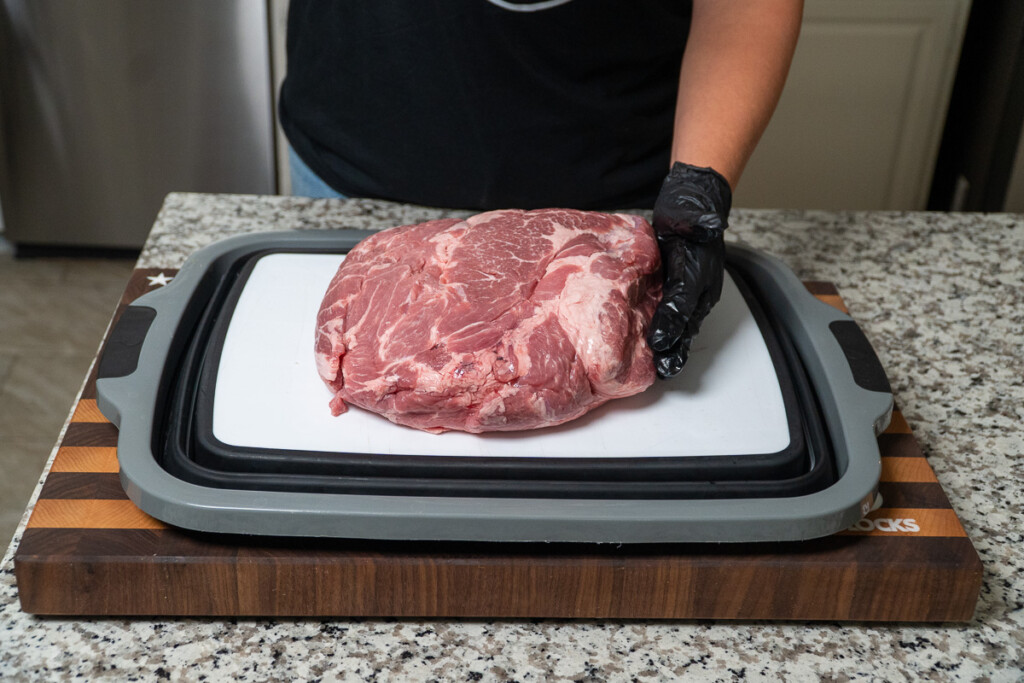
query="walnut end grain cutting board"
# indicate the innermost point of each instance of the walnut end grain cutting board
(88, 550)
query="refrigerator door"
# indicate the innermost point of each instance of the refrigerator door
(108, 105)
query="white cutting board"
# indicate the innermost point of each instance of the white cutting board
(726, 401)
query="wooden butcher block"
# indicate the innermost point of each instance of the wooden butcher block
(87, 550)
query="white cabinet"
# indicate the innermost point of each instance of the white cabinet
(859, 122)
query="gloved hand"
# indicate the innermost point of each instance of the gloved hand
(690, 217)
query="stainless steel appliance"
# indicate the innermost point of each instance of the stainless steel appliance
(108, 105)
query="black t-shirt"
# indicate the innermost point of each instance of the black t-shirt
(486, 104)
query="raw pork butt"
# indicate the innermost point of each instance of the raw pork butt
(507, 320)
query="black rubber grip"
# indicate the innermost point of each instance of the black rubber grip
(121, 352)
(864, 364)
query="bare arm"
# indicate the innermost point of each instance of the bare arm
(736, 61)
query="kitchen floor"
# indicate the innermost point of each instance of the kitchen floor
(53, 313)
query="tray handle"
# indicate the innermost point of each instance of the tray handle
(120, 356)
(867, 370)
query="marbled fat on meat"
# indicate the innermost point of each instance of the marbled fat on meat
(508, 320)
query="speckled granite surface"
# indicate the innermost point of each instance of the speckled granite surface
(941, 296)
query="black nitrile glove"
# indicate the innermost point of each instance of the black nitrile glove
(690, 217)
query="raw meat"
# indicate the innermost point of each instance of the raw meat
(507, 320)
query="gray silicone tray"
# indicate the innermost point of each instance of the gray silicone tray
(849, 383)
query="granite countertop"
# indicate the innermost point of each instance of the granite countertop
(941, 298)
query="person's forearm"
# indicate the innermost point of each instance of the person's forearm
(736, 61)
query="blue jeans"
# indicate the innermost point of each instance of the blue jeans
(306, 183)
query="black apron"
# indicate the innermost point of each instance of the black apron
(485, 104)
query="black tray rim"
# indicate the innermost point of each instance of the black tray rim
(190, 451)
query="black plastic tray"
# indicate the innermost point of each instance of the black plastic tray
(190, 451)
